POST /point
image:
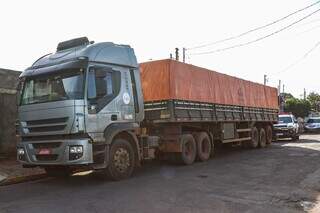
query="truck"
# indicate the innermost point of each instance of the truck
(91, 106)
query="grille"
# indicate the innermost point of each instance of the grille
(47, 125)
(47, 128)
(48, 121)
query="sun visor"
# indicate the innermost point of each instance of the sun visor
(74, 64)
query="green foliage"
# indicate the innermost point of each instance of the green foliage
(287, 95)
(314, 99)
(299, 107)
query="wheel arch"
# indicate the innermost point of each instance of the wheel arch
(124, 131)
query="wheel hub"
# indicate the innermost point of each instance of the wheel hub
(121, 160)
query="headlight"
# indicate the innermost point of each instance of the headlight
(75, 149)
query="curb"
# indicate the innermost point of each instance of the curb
(21, 179)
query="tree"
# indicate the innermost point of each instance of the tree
(314, 99)
(286, 96)
(298, 107)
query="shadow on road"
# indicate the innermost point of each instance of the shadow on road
(284, 177)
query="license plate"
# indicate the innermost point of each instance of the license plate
(279, 134)
(44, 152)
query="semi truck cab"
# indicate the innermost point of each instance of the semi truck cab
(75, 101)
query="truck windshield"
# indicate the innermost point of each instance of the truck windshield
(285, 120)
(40, 89)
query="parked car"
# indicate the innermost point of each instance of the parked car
(287, 127)
(313, 125)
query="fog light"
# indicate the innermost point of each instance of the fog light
(20, 151)
(21, 154)
(75, 152)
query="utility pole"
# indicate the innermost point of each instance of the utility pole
(265, 80)
(304, 94)
(279, 87)
(177, 54)
(184, 55)
(170, 55)
(283, 88)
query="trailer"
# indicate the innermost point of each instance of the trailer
(206, 108)
(92, 106)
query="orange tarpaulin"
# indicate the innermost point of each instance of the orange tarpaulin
(169, 79)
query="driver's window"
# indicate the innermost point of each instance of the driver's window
(103, 86)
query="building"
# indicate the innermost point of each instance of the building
(8, 111)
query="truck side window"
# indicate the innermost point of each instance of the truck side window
(103, 86)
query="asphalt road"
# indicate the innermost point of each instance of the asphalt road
(282, 178)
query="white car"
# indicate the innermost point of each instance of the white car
(287, 127)
(313, 125)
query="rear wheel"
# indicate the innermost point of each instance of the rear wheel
(254, 138)
(121, 160)
(262, 138)
(204, 146)
(269, 134)
(189, 150)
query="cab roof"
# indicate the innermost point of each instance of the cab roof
(104, 52)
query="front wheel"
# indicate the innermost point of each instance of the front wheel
(121, 160)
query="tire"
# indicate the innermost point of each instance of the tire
(262, 138)
(254, 143)
(121, 160)
(204, 146)
(58, 171)
(189, 150)
(269, 134)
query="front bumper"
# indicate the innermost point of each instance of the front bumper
(284, 133)
(59, 152)
(312, 129)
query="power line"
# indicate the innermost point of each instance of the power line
(255, 29)
(258, 39)
(300, 59)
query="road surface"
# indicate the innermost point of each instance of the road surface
(282, 178)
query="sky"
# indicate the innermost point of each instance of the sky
(30, 29)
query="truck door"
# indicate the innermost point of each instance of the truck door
(103, 88)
